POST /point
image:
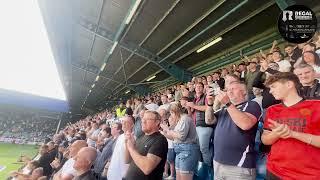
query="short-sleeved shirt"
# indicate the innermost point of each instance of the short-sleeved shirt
(187, 130)
(291, 158)
(284, 66)
(232, 145)
(118, 167)
(67, 168)
(155, 144)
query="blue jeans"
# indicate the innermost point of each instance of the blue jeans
(187, 157)
(204, 134)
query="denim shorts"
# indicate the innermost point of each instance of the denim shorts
(187, 157)
(171, 155)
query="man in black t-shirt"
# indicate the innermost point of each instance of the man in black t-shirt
(147, 156)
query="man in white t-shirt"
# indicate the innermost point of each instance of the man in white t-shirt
(284, 65)
(118, 168)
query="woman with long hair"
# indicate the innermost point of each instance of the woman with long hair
(185, 142)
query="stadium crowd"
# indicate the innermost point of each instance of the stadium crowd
(25, 127)
(216, 119)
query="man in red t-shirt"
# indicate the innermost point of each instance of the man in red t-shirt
(293, 130)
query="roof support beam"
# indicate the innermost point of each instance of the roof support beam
(233, 26)
(206, 14)
(161, 86)
(124, 70)
(249, 47)
(151, 82)
(283, 4)
(226, 30)
(94, 36)
(235, 56)
(92, 70)
(172, 69)
(181, 34)
(219, 62)
(203, 31)
(139, 88)
(206, 29)
(257, 11)
(270, 3)
(116, 38)
(108, 36)
(149, 34)
(125, 33)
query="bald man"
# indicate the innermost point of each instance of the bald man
(67, 172)
(83, 162)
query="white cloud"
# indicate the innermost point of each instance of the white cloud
(26, 60)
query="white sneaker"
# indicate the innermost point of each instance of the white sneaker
(170, 178)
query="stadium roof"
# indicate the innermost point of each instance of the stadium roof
(104, 48)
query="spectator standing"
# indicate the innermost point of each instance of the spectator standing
(147, 155)
(185, 138)
(250, 76)
(198, 107)
(234, 140)
(107, 151)
(118, 167)
(292, 130)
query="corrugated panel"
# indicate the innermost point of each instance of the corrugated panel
(113, 14)
(100, 49)
(182, 16)
(151, 13)
(144, 73)
(133, 64)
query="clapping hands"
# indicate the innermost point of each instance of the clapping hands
(281, 130)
